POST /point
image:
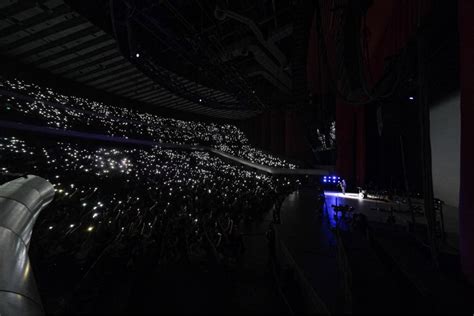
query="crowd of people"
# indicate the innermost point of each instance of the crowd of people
(128, 206)
(129, 203)
(31, 103)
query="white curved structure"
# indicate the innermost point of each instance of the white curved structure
(21, 201)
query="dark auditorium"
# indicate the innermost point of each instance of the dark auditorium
(236, 157)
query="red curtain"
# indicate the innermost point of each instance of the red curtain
(346, 142)
(296, 145)
(351, 142)
(280, 132)
(388, 26)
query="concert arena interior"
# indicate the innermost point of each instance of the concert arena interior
(236, 157)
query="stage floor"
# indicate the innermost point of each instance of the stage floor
(369, 207)
(310, 240)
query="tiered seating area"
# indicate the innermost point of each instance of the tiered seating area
(119, 205)
(127, 204)
(27, 102)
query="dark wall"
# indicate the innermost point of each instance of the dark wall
(466, 194)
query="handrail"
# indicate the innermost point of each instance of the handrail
(21, 201)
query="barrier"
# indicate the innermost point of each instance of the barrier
(21, 201)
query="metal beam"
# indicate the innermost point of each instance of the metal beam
(155, 95)
(160, 97)
(107, 85)
(132, 85)
(75, 50)
(19, 6)
(58, 43)
(98, 73)
(35, 20)
(89, 63)
(93, 69)
(67, 24)
(166, 96)
(114, 74)
(71, 51)
(137, 91)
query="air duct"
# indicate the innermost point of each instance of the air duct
(269, 45)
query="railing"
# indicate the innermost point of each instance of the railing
(21, 201)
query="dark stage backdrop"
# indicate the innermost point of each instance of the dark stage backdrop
(389, 26)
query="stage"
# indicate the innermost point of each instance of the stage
(377, 211)
(387, 278)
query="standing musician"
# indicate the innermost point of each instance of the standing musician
(342, 185)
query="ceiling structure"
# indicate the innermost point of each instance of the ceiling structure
(225, 59)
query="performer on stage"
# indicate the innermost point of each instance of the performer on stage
(342, 185)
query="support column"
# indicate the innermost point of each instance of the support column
(466, 195)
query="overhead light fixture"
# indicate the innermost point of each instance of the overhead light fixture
(137, 55)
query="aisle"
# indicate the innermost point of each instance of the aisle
(311, 244)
